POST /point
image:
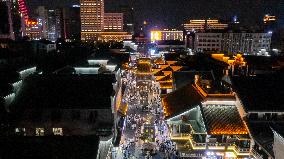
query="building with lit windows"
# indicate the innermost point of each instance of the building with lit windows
(67, 23)
(247, 43)
(208, 42)
(114, 36)
(203, 25)
(97, 25)
(113, 22)
(205, 121)
(166, 34)
(92, 18)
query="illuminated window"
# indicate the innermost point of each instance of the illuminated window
(57, 131)
(39, 131)
(20, 131)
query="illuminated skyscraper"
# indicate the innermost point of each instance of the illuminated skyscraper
(92, 18)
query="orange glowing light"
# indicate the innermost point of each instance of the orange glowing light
(156, 35)
(171, 62)
(176, 68)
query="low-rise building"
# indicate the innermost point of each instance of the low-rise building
(246, 42)
(44, 46)
(167, 34)
(205, 124)
(259, 99)
(230, 42)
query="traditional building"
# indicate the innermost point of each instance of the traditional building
(205, 124)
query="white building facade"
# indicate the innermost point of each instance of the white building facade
(208, 42)
(247, 43)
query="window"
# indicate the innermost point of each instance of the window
(39, 131)
(20, 131)
(57, 131)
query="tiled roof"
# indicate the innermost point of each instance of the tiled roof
(223, 119)
(181, 100)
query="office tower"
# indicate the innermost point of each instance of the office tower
(92, 18)
(58, 23)
(71, 23)
(51, 22)
(113, 21)
(128, 17)
(42, 17)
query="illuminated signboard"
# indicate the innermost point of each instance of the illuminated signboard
(156, 35)
(268, 18)
(31, 22)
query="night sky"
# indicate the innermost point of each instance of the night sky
(172, 13)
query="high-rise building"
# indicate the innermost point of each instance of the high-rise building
(58, 22)
(203, 25)
(42, 17)
(51, 22)
(92, 18)
(71, 23)
(113, 21)
(128, 17)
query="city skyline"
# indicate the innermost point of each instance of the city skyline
(169, 13)
(143, 79)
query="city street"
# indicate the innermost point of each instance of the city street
(145, 134)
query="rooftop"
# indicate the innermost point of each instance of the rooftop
(182, 78)
(53, 147)
(66, 92)
(264, 137)
(223, 120)
(261, 92)
(181, 100)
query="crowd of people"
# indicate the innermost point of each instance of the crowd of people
(144, 107)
